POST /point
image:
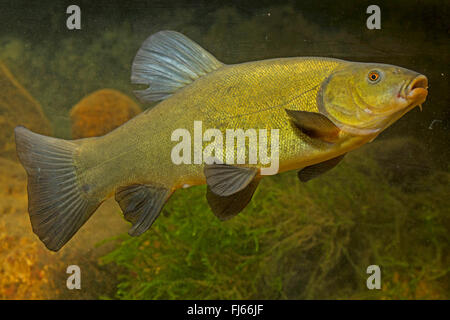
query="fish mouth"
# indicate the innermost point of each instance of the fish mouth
(417, 90)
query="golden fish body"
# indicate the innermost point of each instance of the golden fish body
(321, 107)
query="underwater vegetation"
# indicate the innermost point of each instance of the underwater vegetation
(101, 112)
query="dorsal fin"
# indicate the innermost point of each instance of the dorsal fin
(168, 61)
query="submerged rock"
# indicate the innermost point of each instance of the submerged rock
(101, 112)
(17, 107)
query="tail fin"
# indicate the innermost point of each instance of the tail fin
(56, 205)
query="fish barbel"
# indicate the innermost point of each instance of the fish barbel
(321, 107)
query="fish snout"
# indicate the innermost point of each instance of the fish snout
(417, 89)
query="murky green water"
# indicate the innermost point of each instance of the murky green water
(386, 205)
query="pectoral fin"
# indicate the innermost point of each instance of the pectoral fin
(225, 180)
(316, 170)
(314, 125)
(227, 207)
(141, 205)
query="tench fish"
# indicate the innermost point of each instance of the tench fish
(321, 108)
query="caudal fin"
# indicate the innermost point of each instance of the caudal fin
(56, 204)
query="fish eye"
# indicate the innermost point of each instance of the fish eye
(374, 76)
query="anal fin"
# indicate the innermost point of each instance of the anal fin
(226, 207)
(141, 205)
(315, 170)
